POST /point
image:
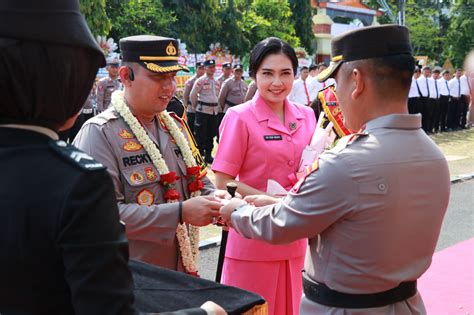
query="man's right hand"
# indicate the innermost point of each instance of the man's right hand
(200, 211)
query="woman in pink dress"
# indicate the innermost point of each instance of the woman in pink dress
(263, 139)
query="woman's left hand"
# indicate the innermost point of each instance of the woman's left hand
(227, 210)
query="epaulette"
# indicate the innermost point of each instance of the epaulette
(347, 140)
(75, 156)
(105, 116)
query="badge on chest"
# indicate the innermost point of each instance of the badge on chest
(272, 137)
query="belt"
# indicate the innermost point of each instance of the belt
(322, 294)
(207, 104)
(230, 103)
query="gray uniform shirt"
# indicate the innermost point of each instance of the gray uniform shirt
(372, 212)
(232, 91)
(251, 91)
(151, 229)
(188, 86)
(206, 90)
(105, 87)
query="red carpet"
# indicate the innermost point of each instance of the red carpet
(447, 288)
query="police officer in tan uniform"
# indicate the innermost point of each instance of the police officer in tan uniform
(373, 206)
(204, 100)
(188, 86)
(233, 90)
(252, 89)
(148, 73)
(107, 85)
(227, 73)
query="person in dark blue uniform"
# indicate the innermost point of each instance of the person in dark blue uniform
(64, 250)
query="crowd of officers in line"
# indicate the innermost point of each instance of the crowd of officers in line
(442, 99)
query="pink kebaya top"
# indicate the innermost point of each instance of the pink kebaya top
(255, 147)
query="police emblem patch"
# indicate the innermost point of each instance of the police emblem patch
(132, 146)
(292, 125)
(150, 174)
(137, 178)
(145, 197)
(124, 134)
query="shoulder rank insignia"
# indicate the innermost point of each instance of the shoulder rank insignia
(125, 134)
(132, 146)
(75, 156)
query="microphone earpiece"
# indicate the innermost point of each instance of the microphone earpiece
(131, 75)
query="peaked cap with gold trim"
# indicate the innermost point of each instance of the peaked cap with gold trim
(155, 53)
(366, 43)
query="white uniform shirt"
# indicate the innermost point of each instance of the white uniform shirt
(455, 87)
(413, 89)
(443, 87)
(434, 93)
(423, 85)
(300, 92)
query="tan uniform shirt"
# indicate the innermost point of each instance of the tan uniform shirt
(105, 87)
(206, 90)
(150, 221)
(188, 86)
(372, 213)
(232, 91)
(251, 91)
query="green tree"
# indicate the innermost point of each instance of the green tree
(136, 17)
(197, 23)
(263, 18)
(302, 21)
(230, 34)
(94, 12)
(460, 34)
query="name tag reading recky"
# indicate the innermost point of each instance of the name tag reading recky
(272, 137)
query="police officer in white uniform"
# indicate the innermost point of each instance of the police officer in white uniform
(373, 206)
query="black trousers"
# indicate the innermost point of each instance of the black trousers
(191, 117)
(427, 114)
(453, 113)
(415, 105)
(464, 106)
(444, 104)
(205, 128)
(435, 117)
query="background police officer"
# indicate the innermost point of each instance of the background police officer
(204, 98)
(107, 85)
(188, 86)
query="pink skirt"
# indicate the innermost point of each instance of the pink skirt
(278, 282)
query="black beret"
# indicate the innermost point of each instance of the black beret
(200, 64)
(366, 43)
(48, 21)
(226, 65)
(155, 53)
(238, 66)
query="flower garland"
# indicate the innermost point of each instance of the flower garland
(188, 242)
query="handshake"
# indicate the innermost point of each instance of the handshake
(217, 208)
